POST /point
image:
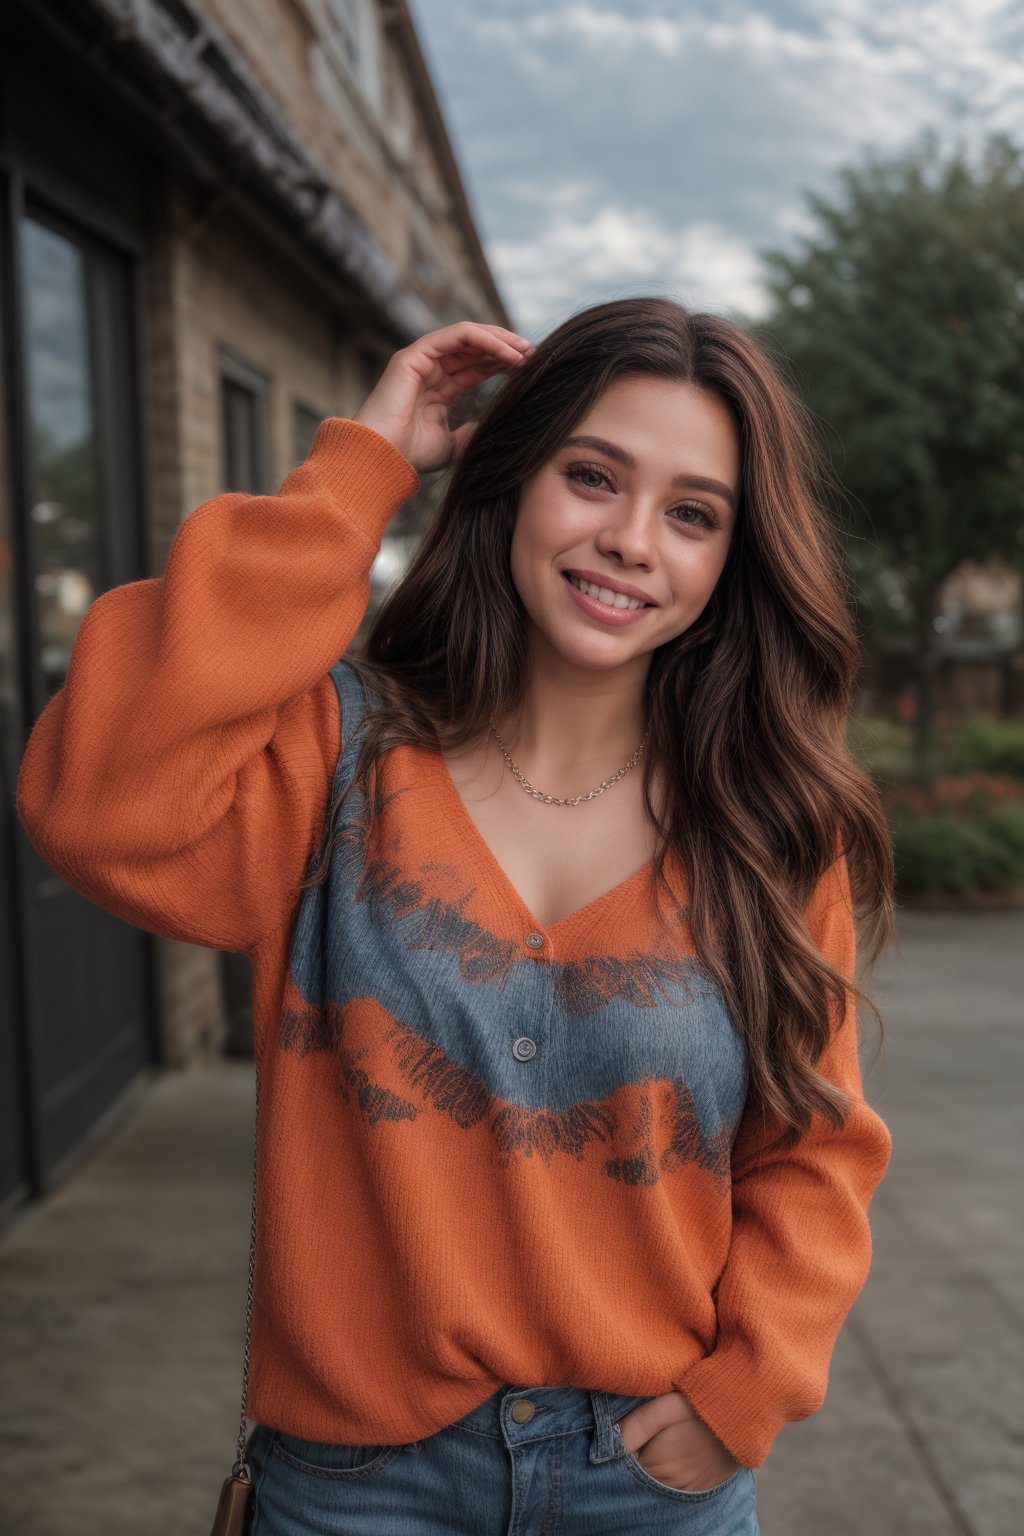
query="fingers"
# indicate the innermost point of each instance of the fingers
(475, 338)
(477, 330)
(452, 375)
(472, 373)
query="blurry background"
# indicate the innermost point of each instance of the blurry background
(218, 218)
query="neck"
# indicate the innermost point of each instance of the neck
(575, 723)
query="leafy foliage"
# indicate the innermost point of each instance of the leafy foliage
(995, 745)
(948, 855)
(904, 320)
(900, 319)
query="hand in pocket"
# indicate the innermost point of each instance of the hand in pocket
(675, 1446)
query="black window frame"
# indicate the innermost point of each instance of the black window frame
(236, 374)
(304, 416)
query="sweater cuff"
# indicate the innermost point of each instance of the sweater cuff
(720, 1389)
(365, 474)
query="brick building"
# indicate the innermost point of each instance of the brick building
(219, 219)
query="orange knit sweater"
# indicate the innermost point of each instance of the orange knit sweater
(490, 1150)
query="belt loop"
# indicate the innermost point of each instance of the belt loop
(604, 1446)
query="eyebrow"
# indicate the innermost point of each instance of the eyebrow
(624, 457)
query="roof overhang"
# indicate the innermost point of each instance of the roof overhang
(177, 67)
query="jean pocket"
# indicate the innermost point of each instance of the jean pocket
(636, 1468)
(333, 1459)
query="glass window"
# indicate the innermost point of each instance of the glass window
(304, 424)
(65, 486)
(244, 396)
(8, 637)
(356, 26)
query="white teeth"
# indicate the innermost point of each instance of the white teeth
(606, 595)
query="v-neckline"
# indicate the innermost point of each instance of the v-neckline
(488, 857)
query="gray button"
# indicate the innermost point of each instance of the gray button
(523, 1411)
(535, 940)
(524, 1048)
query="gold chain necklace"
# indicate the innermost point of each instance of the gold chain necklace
(572, 799)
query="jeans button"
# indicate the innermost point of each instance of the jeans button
(523, 1411)
(524, 1048)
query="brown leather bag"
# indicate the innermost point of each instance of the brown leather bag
(233, 1507)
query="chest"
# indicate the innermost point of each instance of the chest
(418, 970)
(558, 859)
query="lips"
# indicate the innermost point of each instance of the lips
(607, 614)
(610, 585)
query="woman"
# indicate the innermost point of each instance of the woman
(564, 1160)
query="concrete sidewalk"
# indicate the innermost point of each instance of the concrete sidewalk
(923, 1427)
(122, 1296)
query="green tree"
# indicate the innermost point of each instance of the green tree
(902, 317)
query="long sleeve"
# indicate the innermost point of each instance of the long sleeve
(800, 1250)
(179, 777)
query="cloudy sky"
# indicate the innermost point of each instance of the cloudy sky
(610, 147)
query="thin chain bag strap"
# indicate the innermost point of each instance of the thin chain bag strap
(233, 1506)
(236, 1492)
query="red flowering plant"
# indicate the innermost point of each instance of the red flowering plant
(961, 842)
(964, 796)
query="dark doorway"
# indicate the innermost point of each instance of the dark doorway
(76, 988)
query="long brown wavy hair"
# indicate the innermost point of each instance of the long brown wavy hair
(747, 708)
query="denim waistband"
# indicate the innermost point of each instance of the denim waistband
(557, 1411)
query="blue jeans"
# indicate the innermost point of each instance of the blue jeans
(554, 1465)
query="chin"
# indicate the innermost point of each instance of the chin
(596, 657)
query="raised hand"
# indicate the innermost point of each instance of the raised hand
(409, 403)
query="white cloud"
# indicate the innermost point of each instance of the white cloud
(888, 38)
(643, 142)
(576, 259)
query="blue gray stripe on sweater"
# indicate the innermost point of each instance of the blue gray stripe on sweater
(461, 995)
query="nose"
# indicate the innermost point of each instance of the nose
(629, 533)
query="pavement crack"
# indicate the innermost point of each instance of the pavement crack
(901, 1411)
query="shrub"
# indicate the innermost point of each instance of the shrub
(957, 857)
(996, 746)
(882, 747)
(1006, 824)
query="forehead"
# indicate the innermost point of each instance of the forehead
(668, 428)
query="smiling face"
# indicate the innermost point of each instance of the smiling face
(649, 511)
